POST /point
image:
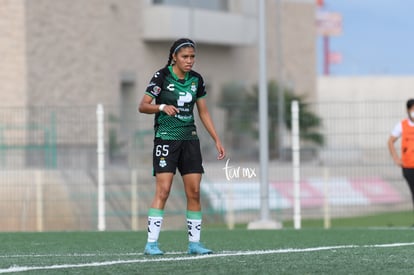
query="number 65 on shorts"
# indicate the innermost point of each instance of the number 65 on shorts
(168, 155)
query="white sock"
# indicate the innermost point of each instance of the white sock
(154, 228)
(154, 224)
(194, 230)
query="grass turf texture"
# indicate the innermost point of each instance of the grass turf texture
(393, 219)
(347, 250)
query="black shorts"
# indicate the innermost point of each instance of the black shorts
(408, 174)
(168, 155)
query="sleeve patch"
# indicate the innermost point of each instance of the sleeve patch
(156, 90)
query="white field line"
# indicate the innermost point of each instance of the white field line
(14, 268)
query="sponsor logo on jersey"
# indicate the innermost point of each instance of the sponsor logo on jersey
(184, 97)
(171, 87)
(151, 84)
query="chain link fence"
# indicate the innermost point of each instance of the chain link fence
(49, 177)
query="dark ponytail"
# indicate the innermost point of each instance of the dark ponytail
(177, 45)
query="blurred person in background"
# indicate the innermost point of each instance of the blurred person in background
(405, 130)
(176, 89)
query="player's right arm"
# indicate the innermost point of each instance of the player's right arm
(395, 135)
(153, 90)
(146, 106)
(393, 152)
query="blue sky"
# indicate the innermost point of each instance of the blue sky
(377, 37)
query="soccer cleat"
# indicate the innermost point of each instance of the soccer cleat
(198, 249)
(152, 249)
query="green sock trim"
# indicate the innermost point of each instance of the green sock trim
(154, 212)
(194, 215)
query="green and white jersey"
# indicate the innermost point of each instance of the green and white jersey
(168, 89)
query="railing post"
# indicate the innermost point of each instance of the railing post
(296, 163)
(101, 167)
(39, 200)
(134, 201)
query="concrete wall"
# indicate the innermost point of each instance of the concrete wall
(12, 53)
(358, 114)
(74, 53)
(365, 88)
(298, 46)
(296, 50)
(77, 51)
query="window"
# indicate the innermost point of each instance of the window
(219, 5)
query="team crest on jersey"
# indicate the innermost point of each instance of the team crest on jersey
(156, 90)
(193, 87)
(163, 163)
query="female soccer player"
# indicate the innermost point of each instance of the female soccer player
(405, 130)
(176, 88)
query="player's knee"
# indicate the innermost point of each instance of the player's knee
(193, 195)
(163, 194)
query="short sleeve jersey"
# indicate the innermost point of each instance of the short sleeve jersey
(397, 131)
(168, 89)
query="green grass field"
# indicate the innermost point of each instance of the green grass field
(340, 250)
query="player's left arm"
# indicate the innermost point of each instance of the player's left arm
(209, 125)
